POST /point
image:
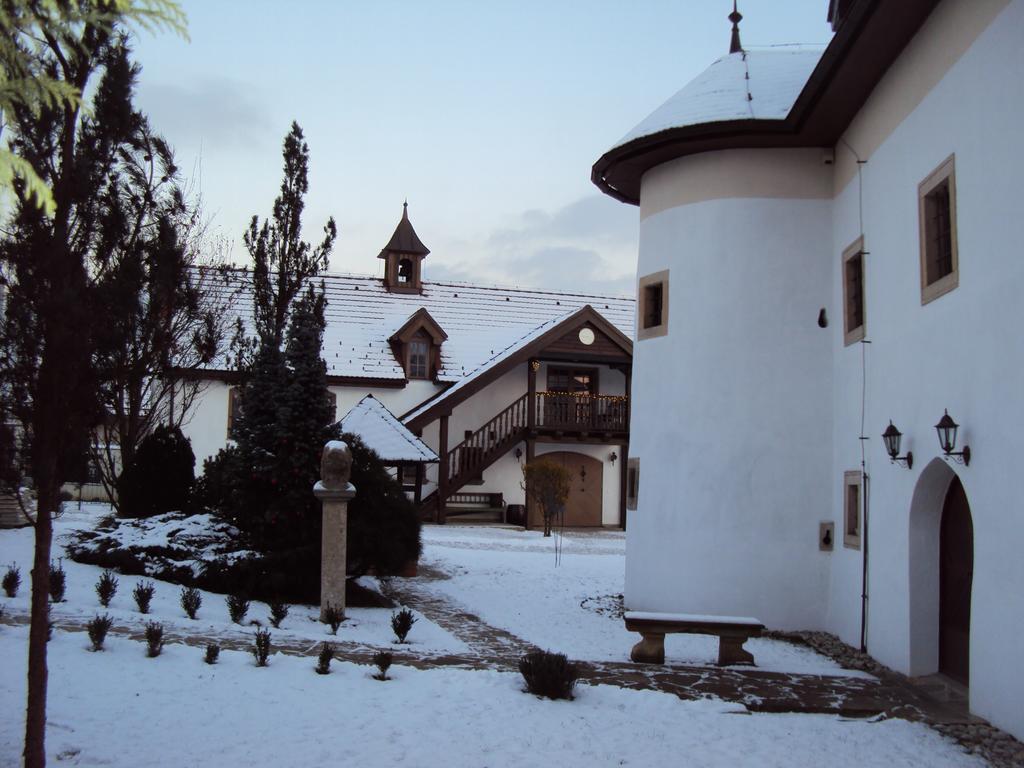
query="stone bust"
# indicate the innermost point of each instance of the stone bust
(335, 465)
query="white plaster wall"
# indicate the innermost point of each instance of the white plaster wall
(731, 409)
(207, 423)
(962, 351)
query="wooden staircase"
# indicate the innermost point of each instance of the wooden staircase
(468, 460)
(11, 515)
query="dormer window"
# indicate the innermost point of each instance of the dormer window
(418, 363)
(417, 346)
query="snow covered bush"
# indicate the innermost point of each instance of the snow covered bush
(98, 627)
(278, 612)
(154, 639)
(333, 615)
(212, 653)
(548, 674)
(261, 647)
(58, 582)
(143, 594)
(160, 476)
(12, 580)
(106, 587)
(238, 606)
(382, 660)
(191, 600)
(323, 659)
(401, 623)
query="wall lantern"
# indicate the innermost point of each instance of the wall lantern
(613, 457)
(892, 437)
(947, 439)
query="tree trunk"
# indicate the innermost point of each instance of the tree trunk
(35, 715)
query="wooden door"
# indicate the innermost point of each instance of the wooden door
(583, 507)
(956, 572)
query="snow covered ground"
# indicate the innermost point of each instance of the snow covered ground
(510, 579)
(119, 708)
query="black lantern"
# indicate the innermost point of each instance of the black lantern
(947, 429)
(892, 437)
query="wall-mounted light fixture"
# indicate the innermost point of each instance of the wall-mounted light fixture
(891, 437)
(613, 457)
(947, 439)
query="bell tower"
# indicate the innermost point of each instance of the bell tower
(403, 258)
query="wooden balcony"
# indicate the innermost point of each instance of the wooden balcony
(581, 413)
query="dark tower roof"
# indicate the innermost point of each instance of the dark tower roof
(405, 239)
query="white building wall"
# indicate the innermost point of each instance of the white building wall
(962, 351)
(731, 410)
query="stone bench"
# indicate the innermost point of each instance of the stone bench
(732, 632)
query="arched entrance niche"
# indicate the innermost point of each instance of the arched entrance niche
(941, 566)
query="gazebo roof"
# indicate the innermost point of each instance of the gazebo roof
(384, 433)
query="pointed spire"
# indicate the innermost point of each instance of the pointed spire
(405, 240)
(735, 17)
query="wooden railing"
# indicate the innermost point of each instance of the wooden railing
(475, 453)
(582, 412)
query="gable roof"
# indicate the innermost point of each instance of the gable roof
(385, 434)
(868, 38)
(520, 350)
(480, 322)
(420, 319)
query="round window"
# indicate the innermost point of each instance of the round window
(586, 336)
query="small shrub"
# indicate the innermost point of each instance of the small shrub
(382, 660)
(164, 460)
(143, 594)
(12, 580)
(154, 639)
(549, 674)
(191, 600)
(238, 606)
(106, 587)
(323, 660)
(261, 647)
(58, 582)
(278, 612)
(98, 628)
(401, 623)
(333, 615)
(212, 653)
(49, 625)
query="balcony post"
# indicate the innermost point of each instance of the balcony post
(442, 468)
(531, 389)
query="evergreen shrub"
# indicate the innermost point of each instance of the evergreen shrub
(238, 606)
(98, 627)
(58, 582)
(548, 674)
(323, 660)
(333, 615)
(12, 580)
(382, 660)
(154, 639)
(278, 612)
(261, 647)
(401, 623)
(106, 587)
(191, 600)
(160, 477)
(143, 594)
(212, 653)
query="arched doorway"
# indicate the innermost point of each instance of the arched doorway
(956, 572)
(941, 568)
(583, 507)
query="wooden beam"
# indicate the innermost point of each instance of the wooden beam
(531, 391)
(442, 470)
(531, 451)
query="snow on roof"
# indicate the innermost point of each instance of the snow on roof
(384, 433)
(720, 93)
(495, 359)
(480, 321)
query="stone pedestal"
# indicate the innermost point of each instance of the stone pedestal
(334, 545)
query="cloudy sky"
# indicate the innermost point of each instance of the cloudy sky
(485, 115)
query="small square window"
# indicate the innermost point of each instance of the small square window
(851, 509)
(652, 294)
(937, 219)
(632, 483)
(853, 293)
